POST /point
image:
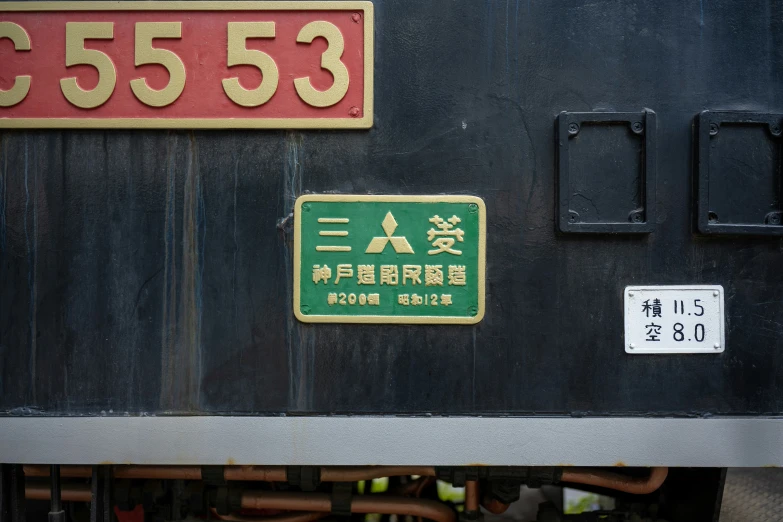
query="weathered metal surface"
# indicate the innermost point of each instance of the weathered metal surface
(151, 271)
(388, 440)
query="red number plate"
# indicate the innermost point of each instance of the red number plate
(186, 64)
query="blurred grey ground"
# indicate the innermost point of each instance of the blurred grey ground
(753, 494)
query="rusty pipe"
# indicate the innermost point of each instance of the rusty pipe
(600, 478)
(262, 473)
(607, 479)
(305, 516)
(429, 509)
(357, 473)
(318, 502)
(471, 496)
(65, 471)
(69, 493)
(249, 473)
(157, 472)
(286, 501)
(122, 472)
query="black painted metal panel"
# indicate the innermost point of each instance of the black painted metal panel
(151, 271)
(739, 173)
(606, 165)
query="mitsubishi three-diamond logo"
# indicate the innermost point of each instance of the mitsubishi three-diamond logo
(399, 243)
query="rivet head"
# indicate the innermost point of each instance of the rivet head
(717, 346)
(715, 293)
(631, 346)
(630, 293)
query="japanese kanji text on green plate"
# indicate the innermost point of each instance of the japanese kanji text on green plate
(389, 259)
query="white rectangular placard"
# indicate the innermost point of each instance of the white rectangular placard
(674, 319)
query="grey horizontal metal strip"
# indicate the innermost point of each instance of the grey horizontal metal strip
(523, 441)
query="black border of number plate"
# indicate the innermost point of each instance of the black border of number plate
(702, 175)
(648, 171)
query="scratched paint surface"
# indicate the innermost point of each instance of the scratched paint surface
(151, 272)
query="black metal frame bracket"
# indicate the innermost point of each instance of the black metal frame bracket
(342, 496)
(708, 126)
(101, 503)
(12, 499)
(640, 220)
